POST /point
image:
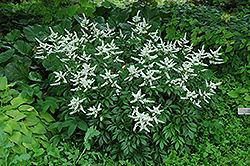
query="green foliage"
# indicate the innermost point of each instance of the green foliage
(23, 125)
(211, 27)
(110, 102)
(214, 136)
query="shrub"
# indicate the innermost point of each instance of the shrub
(141, 93)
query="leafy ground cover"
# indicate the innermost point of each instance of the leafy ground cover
(138, 85)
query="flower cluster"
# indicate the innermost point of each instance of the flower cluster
(102, 70)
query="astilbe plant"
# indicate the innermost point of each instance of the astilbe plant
(143, 94)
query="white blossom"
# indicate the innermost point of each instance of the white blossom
(76, 105)
(60, 77)
(143, 120)
(94, 111)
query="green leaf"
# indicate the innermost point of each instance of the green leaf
(31, 119)
(33, 32)
(60, 28)
(48, 18)
(46, 116)
(3, 83)
(91, 132)
(26, 90)
(34, 76)
(8, 129)
(229, 48)
(26, 108)
(15, 114)
(18, 100)
(233, 94)
(229, 35)
(39, 129)
(16, 71)
(21, 158)
(13, 35)
(71, 129)
(22, 47)
(71, 10)
(82, 125)
(38, 152)
(247, 97)
(5, 56)
(85, 3)
(177, 145)
(14, 125)
(16, 137)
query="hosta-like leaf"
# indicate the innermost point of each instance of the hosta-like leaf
(16, 71)
(18, 100)
(3, 83)
(33, 32)
(16, 137)
(5, 56)
(22, 47)
(13, 35)
(39, 129)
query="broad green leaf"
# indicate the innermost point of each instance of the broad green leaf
(16, 137)
(3, 117)
(21, 158)
(8, 129)
(229, 35)
(13, 35)
(91, 132)
(35, 31)
(3, 83)
(86, 3)
(82, 125)
(177, 145)
(247, 97)
(191, 134)
(15, 115)
(60, 28)
(6, 99)
(71, 129)
(46, 116)
(229, 48)
(45, 144)
(5, 56)
(22, 59)
(26, 108)
(38, 152)
(34, 76)
(71, 10)
(39, 129)
(16, 71)
(27, 139)
(18, 100)
(19, 149)
(233, 94)
(24, 129)
(26, 90)
(22, 47)
(14, 125)
(31, 119)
